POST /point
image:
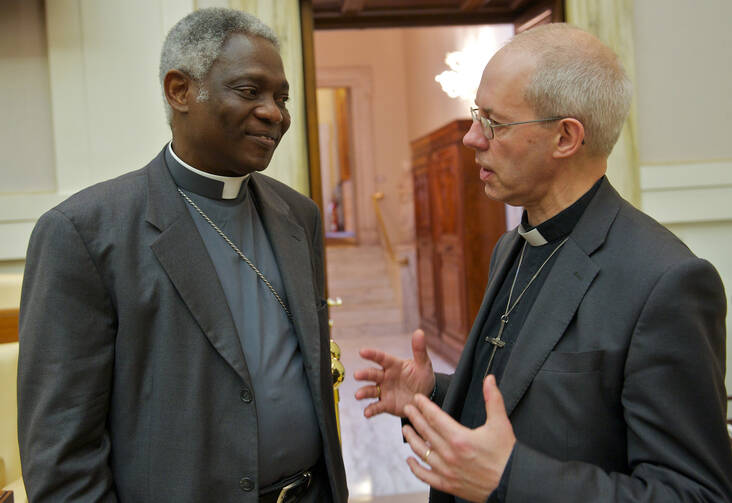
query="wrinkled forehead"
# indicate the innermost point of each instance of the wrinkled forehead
(249, 55)
(241, 46)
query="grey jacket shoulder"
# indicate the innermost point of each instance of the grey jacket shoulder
(651, 246)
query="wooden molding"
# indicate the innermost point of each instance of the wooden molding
(8, 325)
(311, 108)
(471, 4)
(352, 6)
(311, 112)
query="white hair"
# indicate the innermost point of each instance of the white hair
(577, 76)
(195, 42)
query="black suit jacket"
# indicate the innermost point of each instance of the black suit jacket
(615, 386)
(130, 369)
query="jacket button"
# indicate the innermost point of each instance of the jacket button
(245, 395)
(246, 484)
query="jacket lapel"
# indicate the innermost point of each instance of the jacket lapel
(183, 256)
(547, 321)
(289, 245)
(560, 296)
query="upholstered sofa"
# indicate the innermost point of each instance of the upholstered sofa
(10, 478)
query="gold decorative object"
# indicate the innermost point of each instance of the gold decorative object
(337, 302)
(336, 367)
(337, 370)
(376, 197)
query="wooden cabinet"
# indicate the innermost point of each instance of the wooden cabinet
(457, 226)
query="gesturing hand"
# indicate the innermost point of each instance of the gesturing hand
(397, 381)
(463, 462)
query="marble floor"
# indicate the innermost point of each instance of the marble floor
(374, 454)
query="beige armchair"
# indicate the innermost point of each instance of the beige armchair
(10, 477)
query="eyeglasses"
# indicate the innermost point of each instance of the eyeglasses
(488, 124)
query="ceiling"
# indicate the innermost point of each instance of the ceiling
(339, 14)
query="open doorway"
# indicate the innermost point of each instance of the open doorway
(388, 74)
(336, 166)
(385, 81)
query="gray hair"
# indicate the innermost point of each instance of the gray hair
(195, 42)
(577, 76)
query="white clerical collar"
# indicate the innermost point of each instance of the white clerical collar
(533, 237)
(231, 184)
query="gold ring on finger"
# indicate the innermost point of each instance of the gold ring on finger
(426, 455)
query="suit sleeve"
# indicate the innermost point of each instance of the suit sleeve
(67, 336)
(673, 402)
(318, 254)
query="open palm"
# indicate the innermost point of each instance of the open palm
(396, 381)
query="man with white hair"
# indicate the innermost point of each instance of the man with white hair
(173, 330)
(594, 370)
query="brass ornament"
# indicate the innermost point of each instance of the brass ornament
(337, 370)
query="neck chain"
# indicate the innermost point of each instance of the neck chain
(497, 341)
(238, 251)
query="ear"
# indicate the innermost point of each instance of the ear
(179, 89)
(570, 139)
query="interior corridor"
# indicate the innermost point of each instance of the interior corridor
(374, 454)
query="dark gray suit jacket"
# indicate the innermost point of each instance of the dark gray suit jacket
(615, 387)
(131, 377)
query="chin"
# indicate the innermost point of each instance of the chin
(250, 166)
(493, 194)
(260, 166)
(489, 191)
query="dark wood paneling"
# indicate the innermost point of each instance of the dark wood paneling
(427, 293)
(311, 112)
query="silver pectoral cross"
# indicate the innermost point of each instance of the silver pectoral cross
(497, 342)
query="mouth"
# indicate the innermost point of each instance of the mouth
(265, 139)
(485, 173)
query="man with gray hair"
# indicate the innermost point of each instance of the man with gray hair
(594, 371)
(174, 341)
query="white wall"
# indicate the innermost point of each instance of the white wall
(26, 138)
(94, 99)
(683, 74)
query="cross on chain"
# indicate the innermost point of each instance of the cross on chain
(497, 342)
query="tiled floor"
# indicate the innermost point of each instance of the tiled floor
(374, 454)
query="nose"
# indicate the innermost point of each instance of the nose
(475, 138)
(269, 111)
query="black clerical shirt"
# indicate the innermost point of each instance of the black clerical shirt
(553, 231)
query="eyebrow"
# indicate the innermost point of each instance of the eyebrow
(258, 78)
(489, 112)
